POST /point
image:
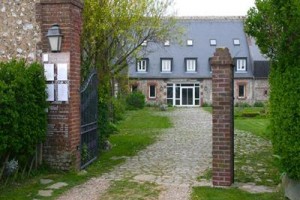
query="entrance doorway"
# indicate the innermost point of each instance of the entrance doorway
(187, 96)
(183, 94)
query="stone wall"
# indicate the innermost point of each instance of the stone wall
(20, 33)
(261, 90)
(161, 90)
(256, 90)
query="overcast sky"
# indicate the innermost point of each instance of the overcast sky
(213, 7)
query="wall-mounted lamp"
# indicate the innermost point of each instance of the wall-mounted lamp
(54, 36)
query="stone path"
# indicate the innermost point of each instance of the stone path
(181, 154)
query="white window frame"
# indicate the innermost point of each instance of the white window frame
(213, 42)
(241, 65)
(166, 65)
(236, 42)
(167, 43)
(189, 42)
(142, 65)
(145, 43)
(152, 97)
(191, 65)
(244, 91)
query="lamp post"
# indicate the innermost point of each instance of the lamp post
(54, 37)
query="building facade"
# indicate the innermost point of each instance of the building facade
(179, 73)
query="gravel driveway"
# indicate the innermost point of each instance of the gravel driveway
(181, 154)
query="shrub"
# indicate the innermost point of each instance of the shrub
(118, 105)
(205, 104)
(285, 116)
(242, 105)
(135, 100)
(23, 120)
(258, 104)
(250, 114)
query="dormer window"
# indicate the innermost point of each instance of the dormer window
(189, 42)
(241, 65)
(236, 42)
(166, 64)
(144, 44)
(167, 43)
(191, 64)
(213, 42)
(142, 65)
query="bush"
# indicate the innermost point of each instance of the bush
(119, 108)
(285, 116)
(135, 100)
(23, 120)
(205, 104)
(258, 104)
(250, 114)
(242, 105)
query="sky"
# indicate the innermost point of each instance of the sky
(213, 7)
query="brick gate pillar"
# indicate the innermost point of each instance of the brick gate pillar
(222, 94)
(61, 148)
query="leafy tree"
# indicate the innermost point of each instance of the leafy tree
(275, 24)
(113, 33)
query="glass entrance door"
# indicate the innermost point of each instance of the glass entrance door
(187, 96)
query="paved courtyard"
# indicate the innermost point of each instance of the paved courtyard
(181, 154)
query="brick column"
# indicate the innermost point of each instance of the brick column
(63, 137)
(222, 89)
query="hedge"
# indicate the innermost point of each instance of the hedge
(23, 120)
(285, 115)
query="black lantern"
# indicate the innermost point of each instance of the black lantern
(54, 37)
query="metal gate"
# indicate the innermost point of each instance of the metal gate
(89, 117)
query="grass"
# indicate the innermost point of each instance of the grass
(132, 138)
(207, 193)
(254, 161)
(257, 126)
(132, 191)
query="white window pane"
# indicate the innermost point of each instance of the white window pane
(241, 65)
(166, 65)
(191, 65)
(236, 42)
(189, 42)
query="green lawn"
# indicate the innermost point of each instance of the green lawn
(138, 130)
(256, 125)
(207, 193)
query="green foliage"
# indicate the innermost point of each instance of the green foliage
(128, 142)
(209, 193)
(112, 35)
(23, 102)
(205, 104)
(119, 108)
(242, 104)
(124, 189)
(135, 100)
(275, 26)
(258, 104)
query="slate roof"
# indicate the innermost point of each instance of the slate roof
(200, 29)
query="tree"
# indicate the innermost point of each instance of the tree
(275, 24)
(112, 36)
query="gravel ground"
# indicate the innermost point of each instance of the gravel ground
(181, 154)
